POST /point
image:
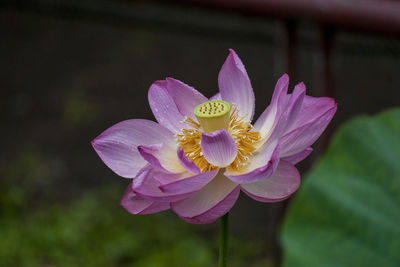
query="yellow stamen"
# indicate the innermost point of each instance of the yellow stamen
(244, 137)
(189, 141)
(240, 129)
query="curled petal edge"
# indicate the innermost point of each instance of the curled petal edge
(137, 205)
(219, 148)
(281, 185)
(260, 173)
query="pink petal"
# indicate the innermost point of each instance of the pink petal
(146, 186)
(219, 148)
(268, 120)
(290, 111)
(235, 87)
(166, 178)
(296, 158)
(209, 203)
(137, 205)
(261, 165)
(304, 136)
(147, 154)
(189, 184)
(283, 183)
(312, 108)
(117, 146)
(295, 104)
(187, 163)
(164, 108)
(217, 96)
(161, 157)
(185, 97)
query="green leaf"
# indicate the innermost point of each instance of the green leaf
(347, 212)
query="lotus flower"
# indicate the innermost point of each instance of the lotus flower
(202, 152)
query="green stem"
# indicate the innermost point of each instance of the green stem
(223, 241)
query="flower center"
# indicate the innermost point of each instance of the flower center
(212, 116)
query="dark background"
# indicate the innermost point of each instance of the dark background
(69, 70)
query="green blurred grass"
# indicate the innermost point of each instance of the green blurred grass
(93, 230)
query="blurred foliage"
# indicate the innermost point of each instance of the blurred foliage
(78, 110)
(347, 211)
(95, 231)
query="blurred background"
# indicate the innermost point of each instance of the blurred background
(71, 69)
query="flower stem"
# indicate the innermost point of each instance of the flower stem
(223, 241)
